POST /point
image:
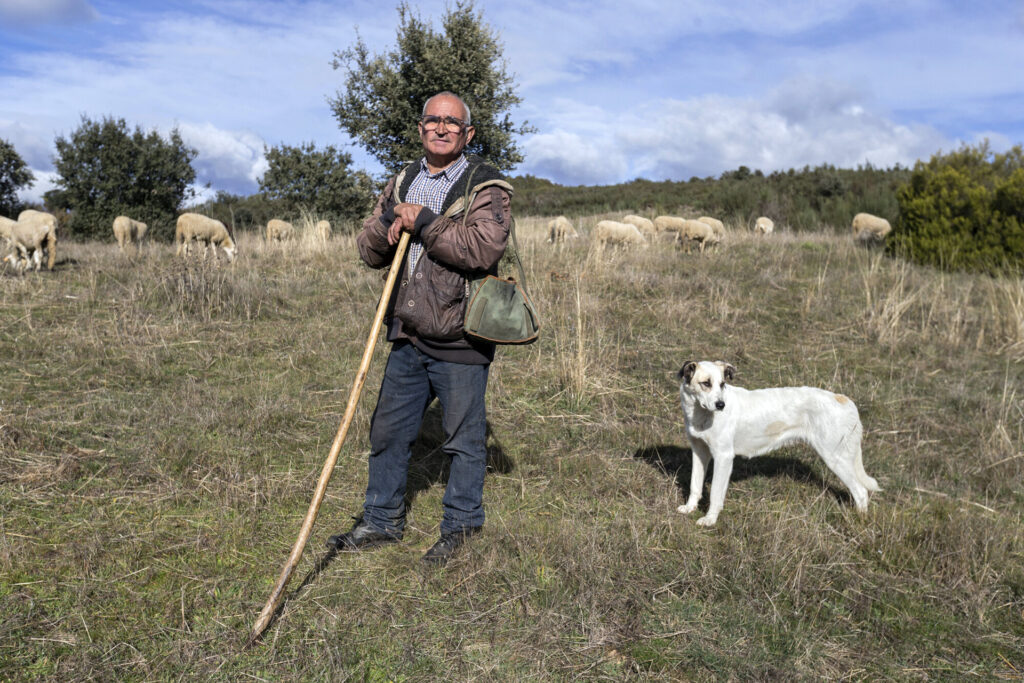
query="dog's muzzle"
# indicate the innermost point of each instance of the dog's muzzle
(719, 405)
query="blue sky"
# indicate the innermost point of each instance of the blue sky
(616, 90)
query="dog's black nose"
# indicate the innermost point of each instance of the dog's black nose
(719, 405)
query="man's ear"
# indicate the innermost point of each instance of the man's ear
(686, 372)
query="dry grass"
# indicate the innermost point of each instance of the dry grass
(162, 425)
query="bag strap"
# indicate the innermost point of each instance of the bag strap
(467, 201)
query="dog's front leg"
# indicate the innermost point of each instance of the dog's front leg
(701, 458)
(719, 483)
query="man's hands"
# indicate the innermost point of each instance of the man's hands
(405, 219)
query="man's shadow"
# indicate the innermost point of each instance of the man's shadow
(428, 465)
(675, 461)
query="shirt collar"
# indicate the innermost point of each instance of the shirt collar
(449, 171)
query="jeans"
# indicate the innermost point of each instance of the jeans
(411, 381)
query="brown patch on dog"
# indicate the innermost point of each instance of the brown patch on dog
(840, 398)
(776, 428)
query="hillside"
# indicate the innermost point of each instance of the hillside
(162, 426)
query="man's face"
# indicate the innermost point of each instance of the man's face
(443, 143)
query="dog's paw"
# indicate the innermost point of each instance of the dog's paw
(707, 520)
(686, 509)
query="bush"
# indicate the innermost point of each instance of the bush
(964, 211)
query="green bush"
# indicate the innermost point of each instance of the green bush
(964, 211)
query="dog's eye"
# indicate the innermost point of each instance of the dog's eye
(723, 385)
(706, 383)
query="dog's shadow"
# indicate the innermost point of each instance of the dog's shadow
(675, 461)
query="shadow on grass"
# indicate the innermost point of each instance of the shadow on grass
(673, 460)
(429, 465)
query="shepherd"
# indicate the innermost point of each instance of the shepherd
(456, 209)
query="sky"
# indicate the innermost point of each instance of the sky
(615, 90)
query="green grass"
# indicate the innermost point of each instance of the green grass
(163, 424)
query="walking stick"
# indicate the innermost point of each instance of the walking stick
(325, 475)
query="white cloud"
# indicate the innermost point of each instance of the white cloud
(800, 123)
(38, 12)
(229, 160)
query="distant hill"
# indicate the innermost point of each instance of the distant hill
(804, 199)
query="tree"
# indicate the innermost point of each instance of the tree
(317, 181)
(14, 175)
(384, 94)
(105, 171)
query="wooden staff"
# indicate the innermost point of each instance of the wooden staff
(325, 475)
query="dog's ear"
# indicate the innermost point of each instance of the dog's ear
(728, 371)
(686, 372)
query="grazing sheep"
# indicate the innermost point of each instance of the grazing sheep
(212, 233)
(764, 225)
(128, 231)
(618, 235)
(323, 230)
(697, 231)
(279, 230)
(716, 225)
(5, 227)
(668, 224)
(561, 229)
(868, 228)
(644, 225)
(35, 232)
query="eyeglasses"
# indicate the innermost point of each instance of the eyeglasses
(431, 122)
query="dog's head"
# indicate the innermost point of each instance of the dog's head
(705, 381)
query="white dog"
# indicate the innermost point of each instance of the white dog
(723, 421)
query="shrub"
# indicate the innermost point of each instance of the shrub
(964, 211)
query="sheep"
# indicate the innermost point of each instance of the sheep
(868, 228)
(697, 231)
(323, 230)
(618, 234)
(128, 231)
(5, 227)
(561, 229)
(30, 233)
(212, 233)
(764, 225)
(279, 230)
(644, 225)
(716, 225)
(665, 225)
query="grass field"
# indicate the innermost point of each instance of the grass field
(163, 424)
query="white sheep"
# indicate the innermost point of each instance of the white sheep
(128, 231)
(668, 225)
(697, 231)
(716, 225)
(323, 230)
(561, 229)
(211, 232)
(279, 230)
(35, 232)
(613, 233)
(764, 225)
(868, 228)
(644, 225)
(5, 227)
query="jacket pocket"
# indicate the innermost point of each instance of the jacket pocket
(435, 302)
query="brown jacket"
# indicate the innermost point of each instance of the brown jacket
(427, 306)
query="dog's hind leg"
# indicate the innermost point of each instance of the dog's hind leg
(701, 458)
(841, 456)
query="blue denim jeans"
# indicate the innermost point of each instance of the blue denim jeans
(411, 381)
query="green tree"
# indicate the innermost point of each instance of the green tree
(105, 170)
(14, 175)
(319, 181)
(964, 210)
(384, 94)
